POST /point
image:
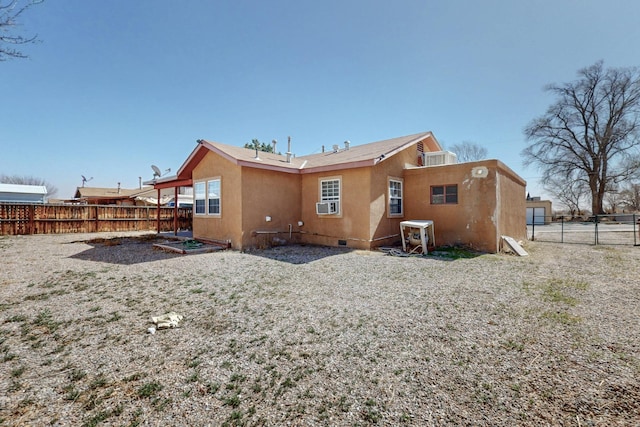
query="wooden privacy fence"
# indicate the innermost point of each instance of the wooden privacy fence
(56, 219)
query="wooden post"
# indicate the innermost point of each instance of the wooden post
(32, 214)
(158, 212)
(175, 211)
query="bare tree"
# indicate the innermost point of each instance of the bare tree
(469, 151)
(592, 130)
(569, 191)
(29, 180)
(630, 197)
(10, 12)
(613, 200)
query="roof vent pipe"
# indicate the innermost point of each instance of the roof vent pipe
(346, 145)
(118, 188)
(289, 149)
(140, 182)
(274, 142)
(323, 148)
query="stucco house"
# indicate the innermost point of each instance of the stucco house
(353, 196)
(538, 211)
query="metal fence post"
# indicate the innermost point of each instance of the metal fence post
(562, 229)
(635, 242)
(595, 218)
(533, 225)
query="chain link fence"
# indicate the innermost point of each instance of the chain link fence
(613, 229)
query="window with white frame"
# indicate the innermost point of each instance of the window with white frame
(199, 196)
(213, 196)
(395, 197)
(206, 196)
(330, 193)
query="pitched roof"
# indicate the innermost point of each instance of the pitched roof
(365, 154)
(355, 156)
(109, 193)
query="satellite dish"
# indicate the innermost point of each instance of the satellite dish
(85, 180)
(157, 173)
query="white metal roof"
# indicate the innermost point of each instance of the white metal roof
(23, 189)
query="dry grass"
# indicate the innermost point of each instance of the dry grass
(316, 336)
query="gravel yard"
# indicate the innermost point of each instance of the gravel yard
(316, 336)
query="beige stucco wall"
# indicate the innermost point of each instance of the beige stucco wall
(248, 196)
(227, 226)
(479, 217)
(512, 205)
(385, 228)
(363, 222)
(351, 224)
(488, 206)
(273, 194)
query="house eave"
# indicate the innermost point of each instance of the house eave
(422, 137)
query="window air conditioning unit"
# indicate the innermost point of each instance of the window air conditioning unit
(326, 208)
(439, 158)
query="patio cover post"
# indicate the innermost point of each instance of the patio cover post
(175, 211)
(158, 212)
(174, 183)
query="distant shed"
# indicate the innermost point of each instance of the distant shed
(538, 211)
(19, 193)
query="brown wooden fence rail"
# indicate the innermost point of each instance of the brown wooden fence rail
(55, 219)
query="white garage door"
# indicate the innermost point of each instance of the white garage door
(536, 214)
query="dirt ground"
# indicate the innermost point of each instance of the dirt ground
(307, 335)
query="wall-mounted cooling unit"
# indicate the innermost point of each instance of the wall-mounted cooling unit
(327, 208)
(437, 158)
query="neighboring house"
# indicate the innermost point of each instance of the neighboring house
(538, 211)
(145, 196)
(107, 196)
(352, 196)
(167, 197)
(19, 193)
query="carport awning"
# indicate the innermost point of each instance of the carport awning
(170, 182)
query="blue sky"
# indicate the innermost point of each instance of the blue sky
(115, 86)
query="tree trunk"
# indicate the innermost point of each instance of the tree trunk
(597, 199)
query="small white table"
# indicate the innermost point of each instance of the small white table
(426, 232)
